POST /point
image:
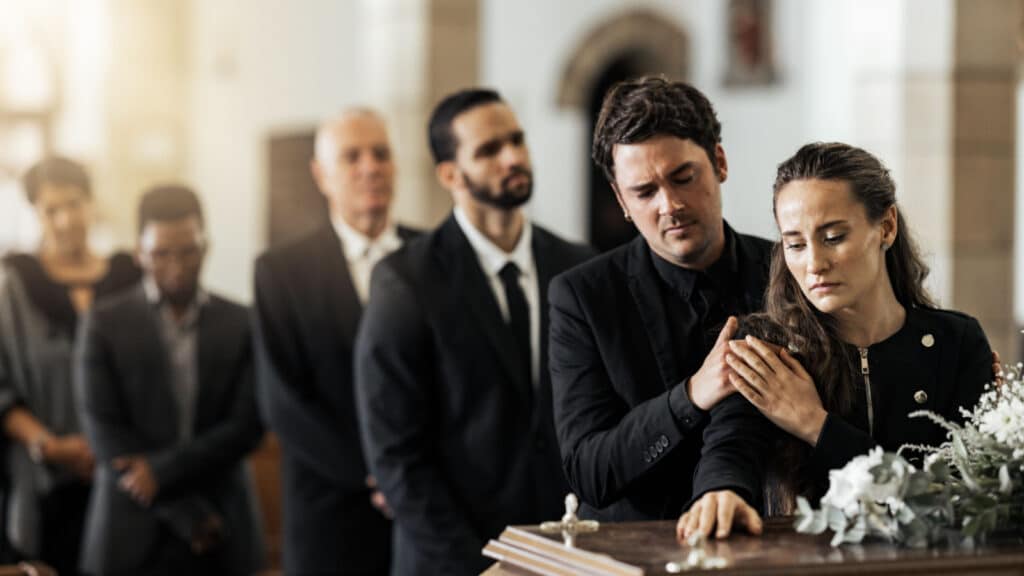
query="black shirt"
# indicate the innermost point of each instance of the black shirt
(698, 302)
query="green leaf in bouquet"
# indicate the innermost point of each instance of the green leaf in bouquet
(906, 515)
(981, 523)
(946, 424)
(916, 534)
(928, 501)
(919, 482)
(939, 469)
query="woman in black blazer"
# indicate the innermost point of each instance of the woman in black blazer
(861, 344)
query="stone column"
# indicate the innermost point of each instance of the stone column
(983, 165)
(418, 51)
(934, 97)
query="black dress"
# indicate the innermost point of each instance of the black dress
(43, 506)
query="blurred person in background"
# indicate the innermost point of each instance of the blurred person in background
(47, 463)
(164, 385)
(310, 295)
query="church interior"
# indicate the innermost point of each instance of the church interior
(226, 96)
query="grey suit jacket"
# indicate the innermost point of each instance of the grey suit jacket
(125, 403)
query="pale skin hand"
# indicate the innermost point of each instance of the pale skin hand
(377, 499)
(711, 383)
(777, 385)
(718, 511)
(137, 479)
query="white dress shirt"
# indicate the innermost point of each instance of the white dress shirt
(362, 253)
(492, 259)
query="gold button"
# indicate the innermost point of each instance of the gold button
(920, 396)
(928, 340)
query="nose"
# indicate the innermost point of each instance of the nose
(62, 219)
(514, 155)
(817, 259)
(369, 165)
(670, 201)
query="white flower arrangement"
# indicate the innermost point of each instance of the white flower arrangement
(973, 482)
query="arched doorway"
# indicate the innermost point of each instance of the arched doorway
(627, 46)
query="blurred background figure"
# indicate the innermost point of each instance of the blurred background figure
(48, 465)
(310, 295)
(164, 384)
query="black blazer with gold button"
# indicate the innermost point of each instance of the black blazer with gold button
(939, 361)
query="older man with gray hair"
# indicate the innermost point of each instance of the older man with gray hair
(309, 296)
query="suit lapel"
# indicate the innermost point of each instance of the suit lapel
(207, 337)
(547, 268)
(647, 296)
(340, 296)
(151, 337)
(461, 262)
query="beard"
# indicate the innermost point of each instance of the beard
(508, 197)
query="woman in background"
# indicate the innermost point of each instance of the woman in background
(847, 289)
(47, 463)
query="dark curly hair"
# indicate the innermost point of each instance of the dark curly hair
(640, 109)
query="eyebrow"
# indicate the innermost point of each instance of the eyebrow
(688, 165)
(513, 135)
(824, 226)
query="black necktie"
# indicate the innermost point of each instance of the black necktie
(518, 317)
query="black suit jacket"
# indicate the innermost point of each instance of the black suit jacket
(614, 374)
(126, 405)
(306, 315)
(459, 443)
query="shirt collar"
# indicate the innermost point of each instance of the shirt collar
(154, 299)
(355, 244)
(719, 275)
(492, 258)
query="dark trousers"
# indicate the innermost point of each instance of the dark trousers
(62, 514)
(172, 556)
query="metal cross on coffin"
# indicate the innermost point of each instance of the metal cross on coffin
(570, 525)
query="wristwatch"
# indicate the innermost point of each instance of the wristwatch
(36, 446)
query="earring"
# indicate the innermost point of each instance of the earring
(885, 246)
(626, 216)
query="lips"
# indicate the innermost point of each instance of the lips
(680, 228)
(824, 287)
(516, 180)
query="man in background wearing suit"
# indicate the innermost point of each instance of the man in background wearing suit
(637, 359)
(451, 370)
(309, 297)
(166, 398)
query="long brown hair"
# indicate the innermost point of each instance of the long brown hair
(812, 333)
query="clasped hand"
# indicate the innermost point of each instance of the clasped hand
(137, 479)
(777, 385)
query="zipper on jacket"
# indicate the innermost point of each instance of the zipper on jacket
(865, 370)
